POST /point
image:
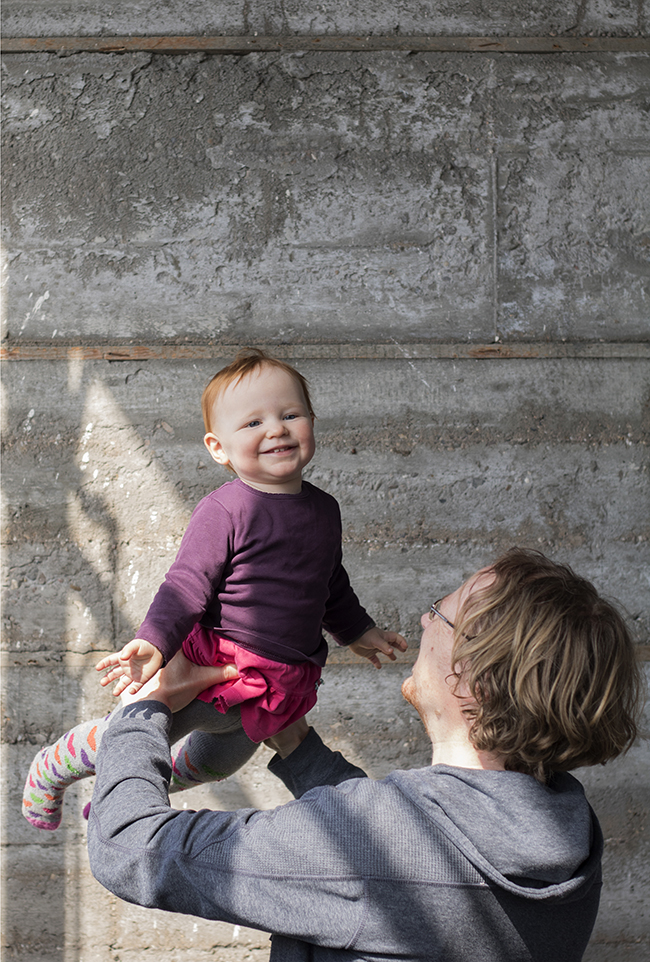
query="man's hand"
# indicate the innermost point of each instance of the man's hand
(133, 666)
(180, 681)
(288, 740)
(375, 641)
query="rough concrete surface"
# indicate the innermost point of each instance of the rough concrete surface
(316, 199)
(339, 196)
(38, 18)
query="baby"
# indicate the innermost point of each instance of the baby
(257, 576)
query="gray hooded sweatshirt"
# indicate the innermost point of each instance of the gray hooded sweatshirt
(440, 864)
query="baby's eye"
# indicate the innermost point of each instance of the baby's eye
(253, 424)
(289, 417)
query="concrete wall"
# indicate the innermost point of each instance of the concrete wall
(56, 18)
(360, 213)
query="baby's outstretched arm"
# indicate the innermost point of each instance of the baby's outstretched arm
(133, 666)
(375, 641)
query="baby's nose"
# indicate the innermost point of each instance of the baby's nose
(276, 427)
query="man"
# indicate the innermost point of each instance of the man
(492, 853)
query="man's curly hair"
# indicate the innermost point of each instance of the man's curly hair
(551, 665)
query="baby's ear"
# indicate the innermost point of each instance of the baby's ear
(214, 446)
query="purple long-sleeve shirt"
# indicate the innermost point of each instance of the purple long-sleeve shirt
(265, 571)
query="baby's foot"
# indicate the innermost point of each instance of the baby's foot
(53, 770)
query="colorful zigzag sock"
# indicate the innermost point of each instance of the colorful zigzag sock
(55, 768)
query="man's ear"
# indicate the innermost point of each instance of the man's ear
(214, 446)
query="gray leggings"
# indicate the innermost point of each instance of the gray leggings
(206, 745)
(202, 716)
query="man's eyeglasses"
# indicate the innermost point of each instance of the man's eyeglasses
(436, 611)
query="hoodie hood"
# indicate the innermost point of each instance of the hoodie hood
(537, 840)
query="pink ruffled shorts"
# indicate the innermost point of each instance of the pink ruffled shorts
(271, 695)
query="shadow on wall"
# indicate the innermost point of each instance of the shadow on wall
(94, 516)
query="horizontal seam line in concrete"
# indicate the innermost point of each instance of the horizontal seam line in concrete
(332, 351)
(87, 660)
(325, 43)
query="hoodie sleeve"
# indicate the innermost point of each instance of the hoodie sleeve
(312, 764)
(246, 867)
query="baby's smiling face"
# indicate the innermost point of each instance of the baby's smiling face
(262, 428)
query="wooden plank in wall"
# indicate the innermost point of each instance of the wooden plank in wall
(282, 44)
(327, 351)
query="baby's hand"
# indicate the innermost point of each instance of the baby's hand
(377, 640)
(133, 666)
